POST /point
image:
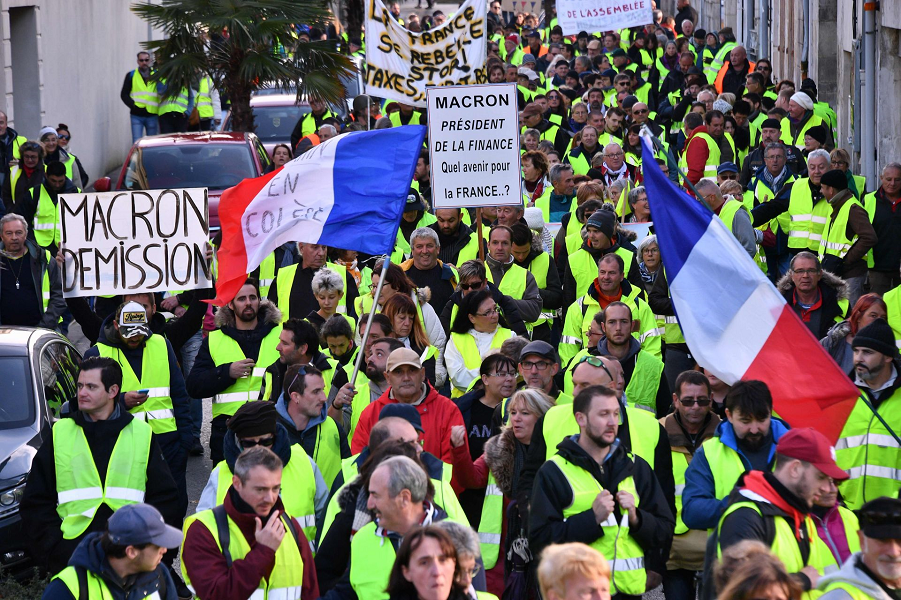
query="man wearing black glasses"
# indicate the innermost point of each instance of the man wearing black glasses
(303, 489)
(691, 423)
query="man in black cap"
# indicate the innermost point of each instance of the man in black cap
(121, 562)
(868, 447)
(304, 492)
(875, 571)
(538, 365)
(532, 117)
(581, 267)
(848, 234)
(620, 61)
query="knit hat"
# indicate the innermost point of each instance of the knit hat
(629, 102)
(528, 58)
(876, 336)
(608, 73)
(802, 100)
(595, 174)
(817, 132)
(770, 124)
(254, 418)
(534, 218)
(46, 131)
(700, 34)
(604, 220)
(835, 179)
(722, 106)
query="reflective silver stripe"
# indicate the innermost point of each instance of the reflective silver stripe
(797, 233)
(568, 339)
(43, 225)
(650, 333)
(898, 343)
(121, 493)
(816, 237)
(679, 488)
(836, 246)
(341, 309)
(489, 538)
(258, 371)
(627, 564)
(820, 220)
(800, 217)
(158, 392)
(231, 397)
(286, 593)
(163, 413)
(46, 295)
(672, 320)
(875, 471)
(266, 282)
(547, 315)
(493, 490)
(91, 493)
(154, 596)
(258, 594)
(306, 521)
(874, 439)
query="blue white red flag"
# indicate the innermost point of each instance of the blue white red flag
(348, 192)
(735, 322)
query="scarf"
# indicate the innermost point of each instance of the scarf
(352, 268)
(670, 62)
(576, 127)
(805, 312)
(603, 299)
(755, 481)
(774, 182)
(610, 175)
(647, 276)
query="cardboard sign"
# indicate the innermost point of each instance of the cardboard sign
(134, 241)
(400, 64)
(474, 146)
(594, 16)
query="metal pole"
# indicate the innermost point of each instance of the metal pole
(372, 311)
(479, 234)
(868, 115)
(763, 39)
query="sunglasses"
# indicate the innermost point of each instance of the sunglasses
(267, 441)
(594, 361)
(471, 286)
(300, 371)
(63, 136)
(689, 402)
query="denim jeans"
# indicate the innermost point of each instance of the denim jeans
(140, 124)
(188, 354)
(679, 584)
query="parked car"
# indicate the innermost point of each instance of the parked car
(215, 160)
(38, 368)
(274, 117)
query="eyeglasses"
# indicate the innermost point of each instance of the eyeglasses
(475, 570)
(777, 156)
(835, 162)
(688, 401)
(806, 271)
(471, 286)
(143, 60)
(529, 365)
(614, 155)
(266, 441)
(63, 136)
(489, 313)
(640, 112)
(594, 361)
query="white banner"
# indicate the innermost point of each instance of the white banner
(400, 64)
(595, 16)
(474, 146)
(135, 241)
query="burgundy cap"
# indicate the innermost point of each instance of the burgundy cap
(811, 446)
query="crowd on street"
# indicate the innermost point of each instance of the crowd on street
(527, 420)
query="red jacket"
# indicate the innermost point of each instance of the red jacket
(211, 578)
(696, 156)
(438, 415)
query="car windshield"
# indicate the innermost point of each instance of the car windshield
(274, 124)
(17, 401)
(209, 165)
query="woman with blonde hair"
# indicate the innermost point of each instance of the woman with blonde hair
(573, 570)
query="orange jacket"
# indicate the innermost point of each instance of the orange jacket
(722, 73)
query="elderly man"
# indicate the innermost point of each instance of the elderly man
(511, 279)
(768, 180)
(800, 119)
(31, 291)
(733, 213)
(874, 572)
(426, 270)
(883, 275)
(817, 296)
(615, 166)
(731, 77)
(753, 162)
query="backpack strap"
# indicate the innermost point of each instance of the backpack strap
(82, 583)
(289, 524)
(222, 530)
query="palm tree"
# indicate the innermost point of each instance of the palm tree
(244, 45)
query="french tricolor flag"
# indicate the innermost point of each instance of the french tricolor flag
(347, 192)
(733, 319)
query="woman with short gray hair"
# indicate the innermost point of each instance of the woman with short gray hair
(328, 289)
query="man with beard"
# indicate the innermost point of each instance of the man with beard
(298, 344)
(746, 441)
(226, 366)
(457, 243)
(628, 519)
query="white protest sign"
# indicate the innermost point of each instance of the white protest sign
(474, 146)
(401, 64)
(134, 241)
(594, 16)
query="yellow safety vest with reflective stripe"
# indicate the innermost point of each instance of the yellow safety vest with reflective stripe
(835, 240)
(45, 283)
(785, 545)
(298, 491)
(645, 381)
(711, 70)
(157, 410)
(680, 465)
(727, 216)
(892, 300)
(308, 122)
(800, 209)
(177, 103)
(798, 141)
(466, 345)
(539, 270)
(204, 99)
(513, 282)
(96, 586)
(869, 453)
(267, 274)
(726, 466)
(79, 490)
(362, 399)
(371, 560)
(223, 350)
(286, 579)
(46, 218)
(760, 194)
(491, 525)
(415, 118)
(544, 203)
(819, 216)
(622, 551)
(713, 155)
(584, 267)
(285, 281)
(869, 204)
(644, 430)
(144, 93)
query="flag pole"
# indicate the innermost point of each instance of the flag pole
(479, 233)
(655, 143)
(372, 311)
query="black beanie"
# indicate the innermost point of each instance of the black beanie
(877, 336)
(771, 124)
(253, 419)
(835, 179)
(818, 133)
(603, 220)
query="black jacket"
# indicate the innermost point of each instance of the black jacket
(832, 289)
(38, 264)
(29, 204)
(887, 224)
(552, 494)
(8, 144)
(278, 369)
(125, 96)
(302, 301)
(450, 246)
(509, 317)
(206, 379)
(39, 502)
(24, 185)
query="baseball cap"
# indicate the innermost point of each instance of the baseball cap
(406, 412)
(530, 110)
(132, 320)
(880, 518)
(727, 167)
(617, 53)
(402, 356)
(136, 524)
(539, 348)
(512, 38)
(414, 202)
(811, 446)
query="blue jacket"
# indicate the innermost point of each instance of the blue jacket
(700, 507)
(90, 556)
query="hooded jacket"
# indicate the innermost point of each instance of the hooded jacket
(38, 264)
(854, 263)
(511, 319)
(89, 555)
(663, 400)
(570, 293)
(308, 437)
(836, 344)
(852, 574)
(552, 493)
(38, 508)
(819, 320)
(450, 246)
(206, 379)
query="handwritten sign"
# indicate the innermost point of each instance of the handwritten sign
(401, 64)
(595, 16)
(135, 241)
(474, 146)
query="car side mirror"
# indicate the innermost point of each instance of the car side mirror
(104, 184)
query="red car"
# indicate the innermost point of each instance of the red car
(215, 160)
